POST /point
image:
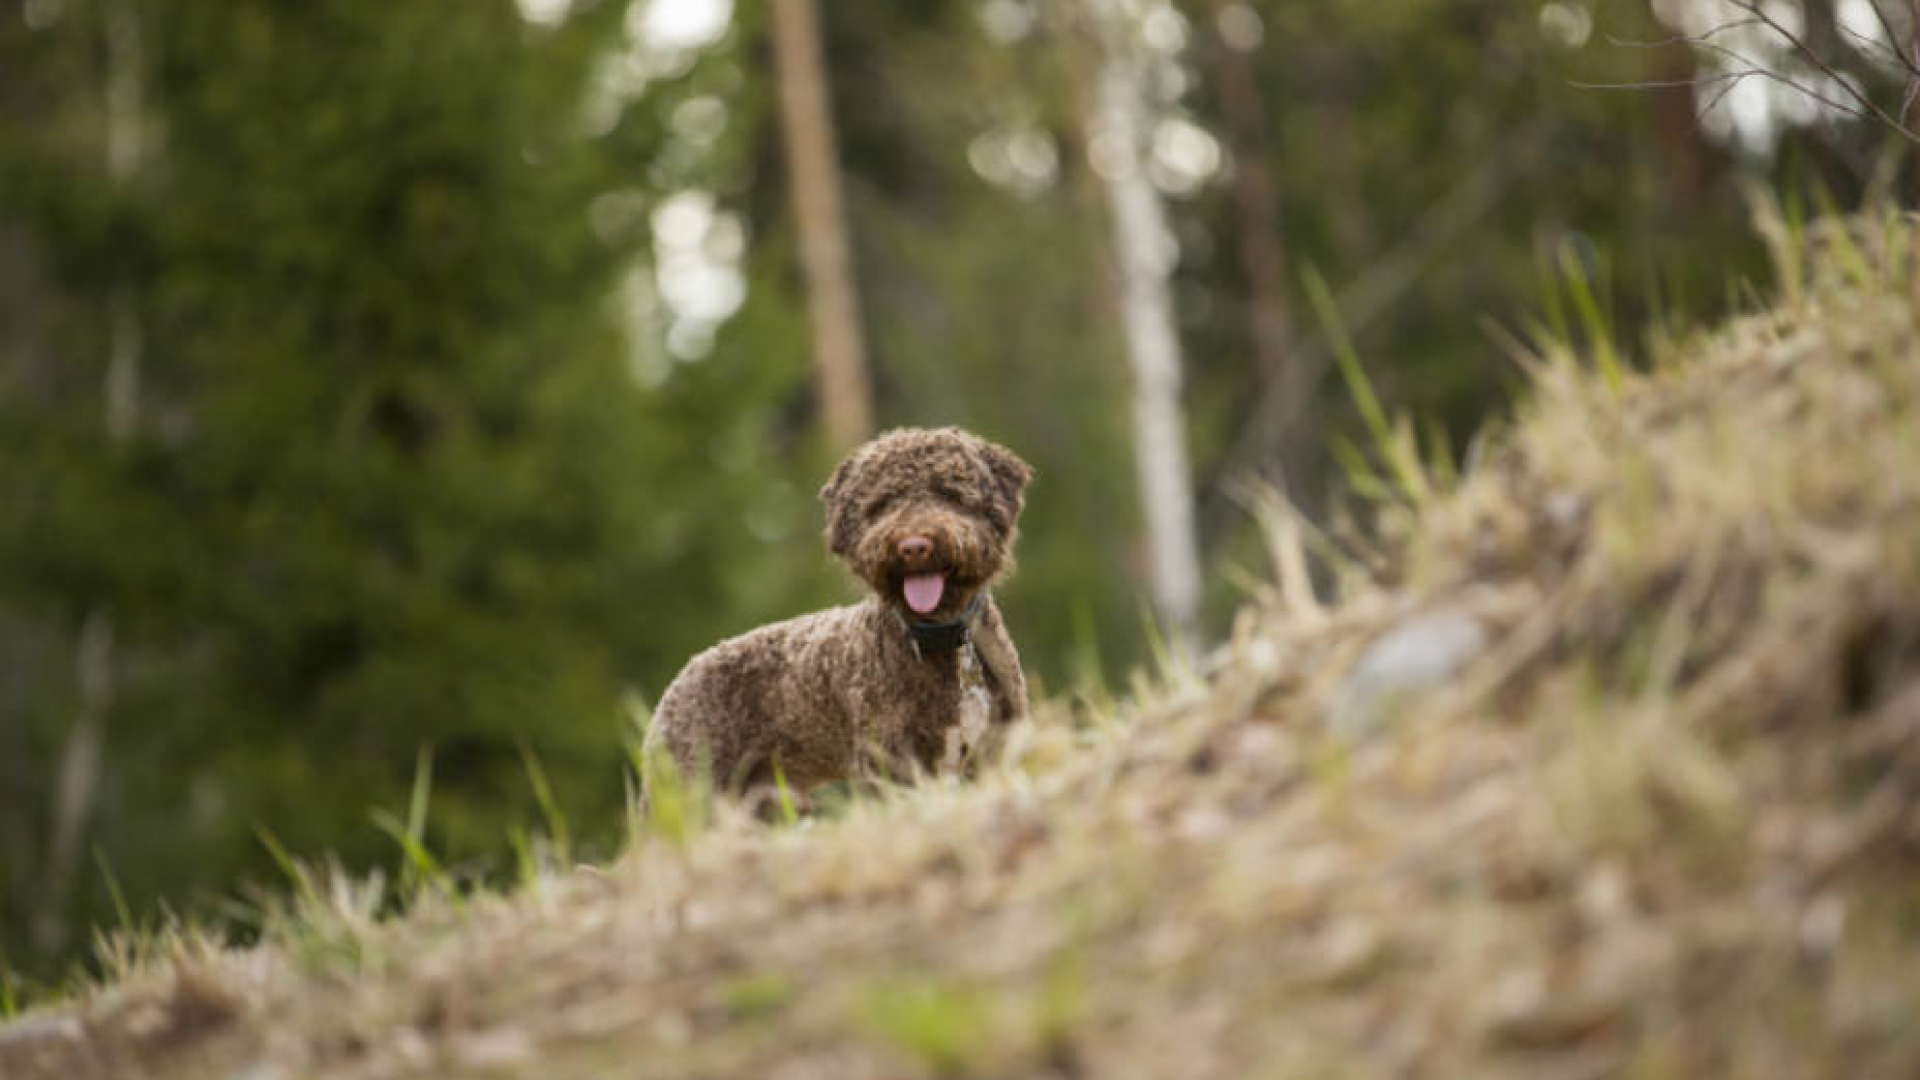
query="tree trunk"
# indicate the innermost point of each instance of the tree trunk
(806, 119)
(1682, 153)
(1256, 203)
(1822, 31)
(78, 780)
(1145, 253)
(77, 785)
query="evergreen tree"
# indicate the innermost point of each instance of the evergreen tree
(393, 484)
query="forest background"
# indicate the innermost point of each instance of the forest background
(392, 396)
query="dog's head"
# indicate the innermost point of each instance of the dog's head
(926, 517)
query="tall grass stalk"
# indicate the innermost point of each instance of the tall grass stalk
(1400, 454)
(557, 832)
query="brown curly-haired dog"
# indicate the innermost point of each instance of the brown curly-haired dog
(921, 673)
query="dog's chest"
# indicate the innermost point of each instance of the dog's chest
(936, 710)
(973, 712)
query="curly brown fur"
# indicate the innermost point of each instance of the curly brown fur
(837, 693)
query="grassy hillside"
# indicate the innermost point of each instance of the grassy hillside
(1605, 761)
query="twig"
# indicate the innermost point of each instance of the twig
(1893, 39)
(1861, 106)
(1681, 39)
(1731, 79)
(1825, 68)
(1870, 46)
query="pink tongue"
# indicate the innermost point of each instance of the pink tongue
(923, 591)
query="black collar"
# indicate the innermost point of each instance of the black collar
(928, 636)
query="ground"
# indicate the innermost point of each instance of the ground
(1598, 759)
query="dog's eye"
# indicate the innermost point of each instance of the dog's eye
(878, 505)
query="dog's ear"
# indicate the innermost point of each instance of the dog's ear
(1010, 476)
(834, 495)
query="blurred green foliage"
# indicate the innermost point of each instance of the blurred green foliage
(419, 457)
(389, 484)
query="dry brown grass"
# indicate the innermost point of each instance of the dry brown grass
(1607, 767)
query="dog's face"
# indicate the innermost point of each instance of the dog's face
(926, 517)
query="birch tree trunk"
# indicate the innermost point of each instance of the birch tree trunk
(1145, 252)
(77, 782)
(806, 121)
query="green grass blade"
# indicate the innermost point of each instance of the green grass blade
(1348, 359)
(1592, 319)
(297, 874)
(549, 807)
(121, 910)
(1358, 470)
(421, 868)
(789, 813)
(417, 802)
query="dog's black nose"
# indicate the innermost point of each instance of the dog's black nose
(916, 549)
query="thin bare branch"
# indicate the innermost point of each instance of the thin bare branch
(1730, 79)
(1870, 47)
(1714, 101)
(1663, 84)
(1893, 39)
(1859, 105)
(1681, 39)
(1824, 67)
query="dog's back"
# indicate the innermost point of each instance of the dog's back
(763, 698)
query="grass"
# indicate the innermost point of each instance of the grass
(1656, 818)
